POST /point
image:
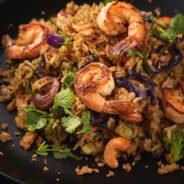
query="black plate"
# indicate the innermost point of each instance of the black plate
(17, 162)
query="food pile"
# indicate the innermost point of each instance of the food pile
(105, 79)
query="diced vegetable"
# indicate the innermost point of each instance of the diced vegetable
(55, 40)
(130, 86)
(175, 143)
(69, 79)
(125, 131)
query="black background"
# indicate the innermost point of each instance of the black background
(16, 162)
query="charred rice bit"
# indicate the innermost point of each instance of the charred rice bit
(100, 164)
(127, 167)
(11, 106)
(146, 166)
(86, 170)
(21, 102)
(57, 179)
(4, 126)
(34, 158)
(45, 169)
(28, 140)
(39, 140)
(78, 107)
(168, 168)
(17, 133)
(5, 137)
(45, 162)
(110, 174)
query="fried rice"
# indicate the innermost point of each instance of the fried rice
(141, 75)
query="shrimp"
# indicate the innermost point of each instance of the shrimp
(173, 105)
(120, 17)
(165, 19)
(93, 83)
(30, 40)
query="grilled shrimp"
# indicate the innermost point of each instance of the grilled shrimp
(165, 19)
(93, 83)
(30, 40)
(173, 104)
(120, 17)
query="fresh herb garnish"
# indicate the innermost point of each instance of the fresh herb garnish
(145, 64)
(86, 123)
(63, 153)
(67, 39)
(167, 35)
(35, 119)
(65, 98)
(59, 112)
(28, 87)
(70, 123)
(69, 79)
(59, 153)
(155, 20)
(132, 52)
(170, 32)
(107, 1)
(177, 24)
(43, 149)
(175, 143)
(144, 55)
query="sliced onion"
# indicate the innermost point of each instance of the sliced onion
(55, 40)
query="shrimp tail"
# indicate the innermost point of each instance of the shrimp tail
(129, 110)
(7, 41)
(121, 47)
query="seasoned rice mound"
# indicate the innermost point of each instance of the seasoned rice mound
(85, 43)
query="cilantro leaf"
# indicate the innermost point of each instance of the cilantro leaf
(155, 20)
(28, 87)
(177, 24)
(167, 35)
(132, 52)
(86, 123)
(67, 39)
(145, 64)
(144, 55)
(59, 112)
(175, 27)
(65, 98)
(107, 1)
(69, 79)
(70, 123)
(175, 143)
(35, 119)
(43, 149)
(60, 154)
